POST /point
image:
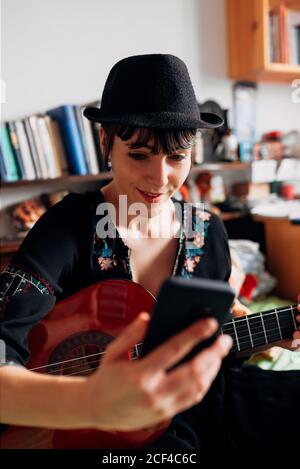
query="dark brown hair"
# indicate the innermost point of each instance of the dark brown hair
(168, 140)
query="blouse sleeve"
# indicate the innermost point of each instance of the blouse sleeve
(31, 282)
(215, 262)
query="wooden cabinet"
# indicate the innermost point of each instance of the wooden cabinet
(249, 41)
(283, 255)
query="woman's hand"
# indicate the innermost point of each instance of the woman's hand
(239, 310)
(292, 344)
(130, 395)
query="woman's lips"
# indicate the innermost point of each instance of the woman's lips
(151, 197)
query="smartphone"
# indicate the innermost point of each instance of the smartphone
(180, 303)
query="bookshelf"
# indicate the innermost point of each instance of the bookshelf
(73, 179)
(103, 176)
(254, 54)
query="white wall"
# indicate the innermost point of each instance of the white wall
(60, 51)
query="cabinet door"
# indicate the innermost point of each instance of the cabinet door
(283, 256)
(249, 41)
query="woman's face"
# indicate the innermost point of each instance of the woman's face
(146, 177)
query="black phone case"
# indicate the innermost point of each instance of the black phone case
(180, 303)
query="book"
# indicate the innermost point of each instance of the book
(9, 165)
(90, 143)
(284, 40)
(294, 36)
(25, 151)
(57, 146)
(33, 121)
(33, 149)
(66, 118)
(53, 170)
(95, 128)
(274, 52)
(83, 139)
(2, 167)
(16, 147)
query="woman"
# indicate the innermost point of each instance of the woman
(149, 117)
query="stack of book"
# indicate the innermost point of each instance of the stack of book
(55, 144)
(284, 35)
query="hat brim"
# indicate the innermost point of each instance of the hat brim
(161, 120)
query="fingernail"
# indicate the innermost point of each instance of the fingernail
(212, 323)
(226, 341)
(144, 316)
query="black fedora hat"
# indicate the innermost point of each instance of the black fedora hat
(152, 90)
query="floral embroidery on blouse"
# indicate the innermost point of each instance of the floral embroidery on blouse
(113, 254)
(110, 254)
(15, 281)
(107, 260)
(194, 248)
(106, 263)
(203, 215)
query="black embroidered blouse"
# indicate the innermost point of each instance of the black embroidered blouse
(62, 254)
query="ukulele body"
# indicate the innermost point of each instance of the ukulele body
(70, 341)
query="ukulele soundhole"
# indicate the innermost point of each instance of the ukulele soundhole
(79, 354)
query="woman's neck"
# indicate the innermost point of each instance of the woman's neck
(164, 224)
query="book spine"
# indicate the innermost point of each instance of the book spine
(95, 132)
(94, 166)
(56, 157)
(33, 149)
(83, 138)
(2, 167)
(11, 169)
(25, 150)
(66, 118)
(48, 150)
(284, 43)
(33, 121)
(57, 138)
(16, 146)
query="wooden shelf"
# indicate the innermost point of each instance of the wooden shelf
(10, 246)
(234, 166)
(291, 4)
(108, 175)
(68, 179)
(278, 72)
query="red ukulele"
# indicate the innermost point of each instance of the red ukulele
(73, 338)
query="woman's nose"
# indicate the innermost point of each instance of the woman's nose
(159, 173)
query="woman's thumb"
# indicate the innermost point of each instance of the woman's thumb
(132, 335)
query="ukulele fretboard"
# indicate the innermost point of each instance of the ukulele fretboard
(261, 328)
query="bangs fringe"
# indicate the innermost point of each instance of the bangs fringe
(167, 140)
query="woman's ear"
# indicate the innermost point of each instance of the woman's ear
(103, 139)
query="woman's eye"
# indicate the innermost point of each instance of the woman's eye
(178, 157)
(137, 156)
